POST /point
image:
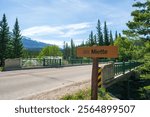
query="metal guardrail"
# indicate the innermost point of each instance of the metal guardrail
(37, 62)
(122, 67)
(119, 68)
(79, 61)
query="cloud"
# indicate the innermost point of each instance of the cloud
(51, 41)
(62, 31)
(59, 43)
(41, 30)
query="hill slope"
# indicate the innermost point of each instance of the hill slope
(28, 43)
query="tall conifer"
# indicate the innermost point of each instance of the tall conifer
(106, 35)
(16, 41)
(4, 38)
(99, 33)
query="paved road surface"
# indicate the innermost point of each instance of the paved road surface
(21, 83)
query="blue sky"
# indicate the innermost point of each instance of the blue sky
(56, 21)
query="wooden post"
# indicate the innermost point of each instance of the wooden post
(94, 86)
(96, 52)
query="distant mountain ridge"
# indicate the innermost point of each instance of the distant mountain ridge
(28, 43)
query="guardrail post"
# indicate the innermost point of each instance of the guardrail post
(130, 65)
(59, 62)
(123, 67)
(72, 61)
(81, 61)
(88, 61)
(43, 61)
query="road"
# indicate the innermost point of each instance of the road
(22, 83)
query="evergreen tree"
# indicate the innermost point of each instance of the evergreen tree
(116, 35)
(99, 33)
(111, 38)
(106, 35)
(4, 37)
(95, 40)
(67, 51)
(82, 44)
(72, 49)
(119, 34)
(140, 25)
(91, 39)
(16, 41)
(9, 50)
(64, 50)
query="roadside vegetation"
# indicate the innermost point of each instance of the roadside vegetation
(85, 94)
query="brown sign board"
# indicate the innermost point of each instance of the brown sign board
(98, 52)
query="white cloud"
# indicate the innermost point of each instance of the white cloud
(61, 31)
(51, 41)
(78, 26)
(72, 33)
(41, 30)
(48, 34)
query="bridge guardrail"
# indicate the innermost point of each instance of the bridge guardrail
(46, 62)
(122, 67)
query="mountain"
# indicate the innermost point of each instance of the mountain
(28, 43)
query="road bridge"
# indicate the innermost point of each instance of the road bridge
(113, 73)
(22, 83)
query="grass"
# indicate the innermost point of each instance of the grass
(85, 94)
(1, 69)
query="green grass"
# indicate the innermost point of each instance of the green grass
(85, 94)
(1, 69)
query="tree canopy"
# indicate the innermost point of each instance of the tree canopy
(50, 51)
(140, 25)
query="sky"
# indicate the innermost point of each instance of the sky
(56, 21)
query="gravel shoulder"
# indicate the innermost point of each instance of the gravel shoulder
(57, 93)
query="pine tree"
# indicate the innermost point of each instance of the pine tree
(119, 34)
(91, 39)
(9, 50)
(116, 35)
(67, 51)
(111, 38)
(82, 44)
(64, 50)
(99, 33)
(16, 41)
(106, 35)
(140, 25)
(72, 49)
(4, 37)
(95, 40)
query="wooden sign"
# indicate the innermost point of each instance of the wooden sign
(98, 52)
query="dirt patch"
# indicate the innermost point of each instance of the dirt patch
(57, 93)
